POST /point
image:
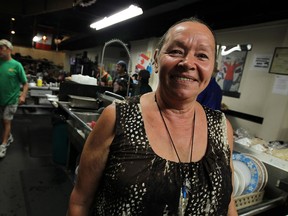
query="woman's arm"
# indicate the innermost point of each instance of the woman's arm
(92, 163)
(232, 211)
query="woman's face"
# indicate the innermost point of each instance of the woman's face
(185, 62)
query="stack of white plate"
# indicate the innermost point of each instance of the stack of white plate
(250, 174)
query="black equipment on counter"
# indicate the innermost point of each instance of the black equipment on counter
(72, 88)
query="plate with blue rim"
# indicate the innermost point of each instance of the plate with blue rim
(252, 185)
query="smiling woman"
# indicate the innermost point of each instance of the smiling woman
(135, 140)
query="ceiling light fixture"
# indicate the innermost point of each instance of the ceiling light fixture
(128, 13)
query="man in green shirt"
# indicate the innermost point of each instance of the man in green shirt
(12, 75)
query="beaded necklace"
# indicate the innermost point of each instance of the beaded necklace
(185, 182)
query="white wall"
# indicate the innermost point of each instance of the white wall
(256, 85)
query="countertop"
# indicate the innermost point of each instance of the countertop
(263, 156)
(53, 88)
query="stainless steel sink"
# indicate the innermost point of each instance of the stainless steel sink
(86, 115)
(80, 118)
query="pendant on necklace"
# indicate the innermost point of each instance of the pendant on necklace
(183, 201)
(186, 188)
(184, 196)
(184, 192)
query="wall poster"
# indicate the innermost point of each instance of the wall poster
(231, 61)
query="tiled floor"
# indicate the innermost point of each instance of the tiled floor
(18, 158)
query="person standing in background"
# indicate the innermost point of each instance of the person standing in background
(121, 68)
(106, 78)
(121, 82)
(212, 95)
(12, 75)
(143, 83)
(135, 78)
(120, 87)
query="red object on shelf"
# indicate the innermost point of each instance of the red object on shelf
(92, 124)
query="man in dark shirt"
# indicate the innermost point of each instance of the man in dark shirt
(143, 83)
(121, 81)
(211, 96)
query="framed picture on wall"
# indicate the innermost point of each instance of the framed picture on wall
(231, 61)
(279, 63)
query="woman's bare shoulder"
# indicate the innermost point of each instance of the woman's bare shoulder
(104, 130)
(108, 115)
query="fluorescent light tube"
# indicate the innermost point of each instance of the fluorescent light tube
(128, 13)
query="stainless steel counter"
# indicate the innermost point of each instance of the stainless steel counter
(78, 131)
(265, 157)
(75, 120)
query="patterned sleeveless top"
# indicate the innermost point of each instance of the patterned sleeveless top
(138, 182)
